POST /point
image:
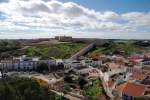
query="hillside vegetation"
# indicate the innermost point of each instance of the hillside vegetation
(127, 47)
(63, 50)
(24, 89)
(93, 92)
(7, 45)
(10, 48)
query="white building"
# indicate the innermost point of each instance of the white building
(75, 63)
(59, 62)
(114, 68)
(82, 69)
(24, 63)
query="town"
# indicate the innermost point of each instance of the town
(74, 49)
(79, 77)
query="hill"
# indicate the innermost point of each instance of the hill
(127, 48)
(63, 50)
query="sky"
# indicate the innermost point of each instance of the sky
(110, 19)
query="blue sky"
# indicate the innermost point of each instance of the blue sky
(124, 19)
(119, 6)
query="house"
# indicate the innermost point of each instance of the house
(93, 73)
(119, 59)
(115, 68)
(25, 58)
(82, 69)
(97, 62)
(59, 62)
(87, 62)
(6, 64)
(147, 56)
(24, 63)
(136, 59)
(130, 90)
(64, 38)
(136, 56)
(67, 65)
(134, 69)
(138, 76)
(146, 63)
(72, 64)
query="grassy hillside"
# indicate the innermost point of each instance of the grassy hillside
(8, 45)
(128, 47)
(64, 50)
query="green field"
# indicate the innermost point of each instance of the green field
(63, 50)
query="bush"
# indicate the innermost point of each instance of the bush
(24, 89)
(42, 67)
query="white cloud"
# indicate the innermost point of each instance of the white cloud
(137, 19)
(111, 15)
(55, 16)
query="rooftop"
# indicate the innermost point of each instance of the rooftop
(81, 67)
(131, 89)
(138, 76)
(113, 65)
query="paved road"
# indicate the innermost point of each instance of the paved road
(104, 84)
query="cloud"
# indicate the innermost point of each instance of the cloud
(36, 7)
(138, 19)
(56, 16)
(110, 15)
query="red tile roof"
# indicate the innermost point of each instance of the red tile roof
(138, 76)
(131, 89)
(121, 87)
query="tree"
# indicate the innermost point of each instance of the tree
(68, 79)
(93, 92)
(42, 67)
(24, 89)
(82, 82)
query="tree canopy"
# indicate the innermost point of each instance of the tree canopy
(24, 89)
(42, 67)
